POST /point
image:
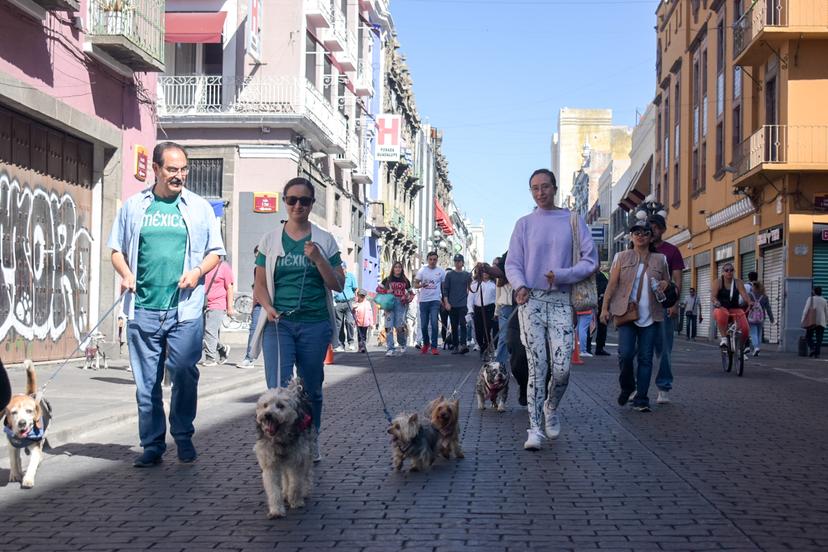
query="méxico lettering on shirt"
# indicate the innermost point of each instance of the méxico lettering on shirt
(164, 220)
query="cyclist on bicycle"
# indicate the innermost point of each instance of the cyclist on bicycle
(726, 292)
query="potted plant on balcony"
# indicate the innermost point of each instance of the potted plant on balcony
(117, 16)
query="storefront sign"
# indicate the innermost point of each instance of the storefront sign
(254, 30)
(265, 202)
(141, 163)
(821, 203)
(389, 131)
(724, 252)
(770, 237)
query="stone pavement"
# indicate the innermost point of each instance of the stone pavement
(731, 464)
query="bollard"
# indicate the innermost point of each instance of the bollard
(576, 354)
(329, 357)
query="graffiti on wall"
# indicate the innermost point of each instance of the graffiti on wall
(44, 259)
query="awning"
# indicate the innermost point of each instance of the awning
(638, 188)
(194, 27)
(443, 220)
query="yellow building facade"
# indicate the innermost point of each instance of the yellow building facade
(741, 158)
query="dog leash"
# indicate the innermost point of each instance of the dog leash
(39, 395)
(374, 374)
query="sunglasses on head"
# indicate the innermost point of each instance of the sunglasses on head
(304, 201)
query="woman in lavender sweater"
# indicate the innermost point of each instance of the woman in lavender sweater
(541, 269)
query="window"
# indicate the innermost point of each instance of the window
(737, 131)
(341, 94)
(704, 91)
(666, 150)
(703, 167)
(310, 59)
(337, 210)
(676, 185)
(737, 82)
(677, 116)
(327, 81)
(696, 86)
(719, 146)
(205, 177)
(694, 171)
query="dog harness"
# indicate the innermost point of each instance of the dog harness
(34, 436)
(492, 390)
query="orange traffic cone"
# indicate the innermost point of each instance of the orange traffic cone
(329, 357)
(576, 354)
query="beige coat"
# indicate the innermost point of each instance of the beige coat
(627, 263)
(821, 306)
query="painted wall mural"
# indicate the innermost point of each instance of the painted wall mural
(45, 257)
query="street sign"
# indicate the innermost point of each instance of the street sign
(389, 131)
(597, 234)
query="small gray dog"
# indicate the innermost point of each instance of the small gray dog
(492, 385)
(284, 447)
(411, 438)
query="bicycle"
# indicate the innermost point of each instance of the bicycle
(93, 354)
(733, 344)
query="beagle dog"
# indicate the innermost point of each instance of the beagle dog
(26, 419)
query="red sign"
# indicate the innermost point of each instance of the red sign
(821, 203)
(388, 137)
(825, 235)
(265, 203)
(141, 163)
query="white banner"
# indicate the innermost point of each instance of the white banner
(389, 132)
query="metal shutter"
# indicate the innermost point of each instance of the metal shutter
(773, 279)
(820, 268)
(748, 264)
(703, 286)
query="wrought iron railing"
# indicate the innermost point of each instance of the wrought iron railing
(777, 13)
(777, 144)
(139, 21)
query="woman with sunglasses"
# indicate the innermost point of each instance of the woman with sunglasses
(633, 276)
(725, 293)
(297, 267)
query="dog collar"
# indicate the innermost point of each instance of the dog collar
(34, 436)
(492, 389)
(305, 423)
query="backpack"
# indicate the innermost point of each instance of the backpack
(756, 314)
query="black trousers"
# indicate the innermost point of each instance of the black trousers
(815, 346)
(484, 327)
(5, 387)
(362, 334)
(691, 326)
(600, 338)
(459, 328)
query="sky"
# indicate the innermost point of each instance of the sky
(493, 74)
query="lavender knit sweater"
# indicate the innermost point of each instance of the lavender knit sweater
(542, 241)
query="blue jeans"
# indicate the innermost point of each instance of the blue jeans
(254, 319)
(633, 342)
(756, 335)
(584, 321)
(502, 353)
(157, 339)
(664, 350)
(396, 318)
(429, 313)
(303, 344)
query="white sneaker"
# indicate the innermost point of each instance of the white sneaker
(632, 396)
(663, 397)
(586, 354)
(245, 363)
(352, 347)
(553, 423)
(723, 342)
(401, 350)
(389, 353)
(533, 440)
(339, 349)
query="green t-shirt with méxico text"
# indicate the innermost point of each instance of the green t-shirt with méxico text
(161, 249)
(291, 270)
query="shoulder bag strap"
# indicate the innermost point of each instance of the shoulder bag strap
(576, 238)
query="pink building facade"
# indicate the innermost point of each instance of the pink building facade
(77, 128)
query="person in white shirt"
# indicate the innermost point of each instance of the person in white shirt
(482, 295)
(429, 281)
(815, 331)
(692, 312)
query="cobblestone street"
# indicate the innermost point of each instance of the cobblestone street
(732, 463)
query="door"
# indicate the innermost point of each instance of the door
(774, 280)
(820, 266)
(747, 265)
(703, 287)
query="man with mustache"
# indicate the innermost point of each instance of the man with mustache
(165, 239)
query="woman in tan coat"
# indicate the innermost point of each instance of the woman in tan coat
(634, 277)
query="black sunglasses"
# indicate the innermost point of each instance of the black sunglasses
(727, 270)
(641, 233)
(304, 201)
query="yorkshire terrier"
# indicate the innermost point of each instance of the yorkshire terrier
(445, 417)
(413, 439)
(492, 385)
(284, 447)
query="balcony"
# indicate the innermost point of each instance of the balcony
(286, 102)
(335, 38)
(349, 159)
(318, 13)
(347, 57)
(131, 33)
(364, 85)
(781, 149)
(769, 23)
(364, 172)
(378, 216)
(71, 5)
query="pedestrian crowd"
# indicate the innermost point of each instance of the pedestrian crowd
(526, 310)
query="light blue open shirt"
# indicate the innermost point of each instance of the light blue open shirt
(203, 238)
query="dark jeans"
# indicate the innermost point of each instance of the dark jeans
(484, 327)
(157, 339)
(635, 342)
(691, 326)
(819, 332)
(429, 312)
(345, 324)
(457, 316)
(362, 333)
